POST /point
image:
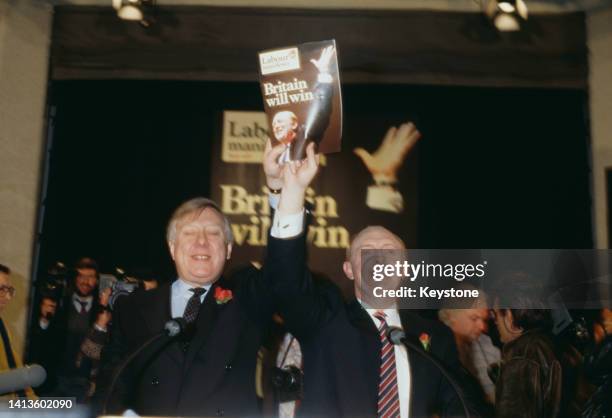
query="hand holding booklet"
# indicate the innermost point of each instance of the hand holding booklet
(302, 98)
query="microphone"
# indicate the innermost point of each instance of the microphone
(397, 336)
(23, 377)
(173, 328)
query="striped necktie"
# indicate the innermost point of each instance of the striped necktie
(388, 396)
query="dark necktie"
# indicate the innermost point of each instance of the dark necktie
(388, 396)
(193, 304)
(83, 307)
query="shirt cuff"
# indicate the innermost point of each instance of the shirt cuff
(99, 328)
(287, 225)
(274, 200)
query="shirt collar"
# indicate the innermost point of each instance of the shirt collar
(392, 315)
(85, 299)
(183, 287)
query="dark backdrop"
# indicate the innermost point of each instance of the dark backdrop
(498, 168)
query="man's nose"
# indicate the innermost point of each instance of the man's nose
(202, 239)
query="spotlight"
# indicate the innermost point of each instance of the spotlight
(133, 10)
(507, 15)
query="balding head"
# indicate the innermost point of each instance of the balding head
(370, 238)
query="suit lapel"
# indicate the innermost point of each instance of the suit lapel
(156, 313)
(370, 343)
(360, 318)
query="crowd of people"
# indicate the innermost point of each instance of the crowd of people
(276, 341)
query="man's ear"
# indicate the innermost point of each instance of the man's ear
(171, 248)
(229, 251)
(348, 270)
(509, 323)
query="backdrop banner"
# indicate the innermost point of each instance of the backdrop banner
(355, 188)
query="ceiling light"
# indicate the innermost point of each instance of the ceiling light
(507, 15)
(133, 10)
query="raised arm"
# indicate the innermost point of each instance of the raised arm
(303, 306)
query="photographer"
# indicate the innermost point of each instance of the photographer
(81, 319)
(45, 342)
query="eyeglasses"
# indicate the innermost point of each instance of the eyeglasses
(7, 290)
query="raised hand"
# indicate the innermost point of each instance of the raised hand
(104, 316)
(297, 176)
(324, 60)
(271, 166)
(384, 163)
(105, 296)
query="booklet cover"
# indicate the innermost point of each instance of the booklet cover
(300, 86)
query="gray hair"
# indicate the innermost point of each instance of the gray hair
(198, 204)
(452, 307)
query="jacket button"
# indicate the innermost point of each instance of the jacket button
(228, 367)
(220, 412)
(155, 381)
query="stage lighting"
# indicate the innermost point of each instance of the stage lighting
(507, 15)
(133, 10)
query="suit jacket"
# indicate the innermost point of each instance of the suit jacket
(341, 347)
(215, 376)
(44, 349)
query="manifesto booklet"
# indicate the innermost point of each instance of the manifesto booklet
(301, 91)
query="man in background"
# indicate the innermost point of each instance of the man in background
(44, 343)
(476, 350)
(8, 357)
(81, 312)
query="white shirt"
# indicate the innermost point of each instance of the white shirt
(402, 364)
(180, 296)
(285, 225)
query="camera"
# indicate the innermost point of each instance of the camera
(287, 383)
(120, 283)
(54, 283)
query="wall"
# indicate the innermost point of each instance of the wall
(25, 27)
(600, 79)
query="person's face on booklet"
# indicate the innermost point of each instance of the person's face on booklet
(284, 125)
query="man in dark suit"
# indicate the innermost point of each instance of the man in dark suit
(350, 368)
(209, 371)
